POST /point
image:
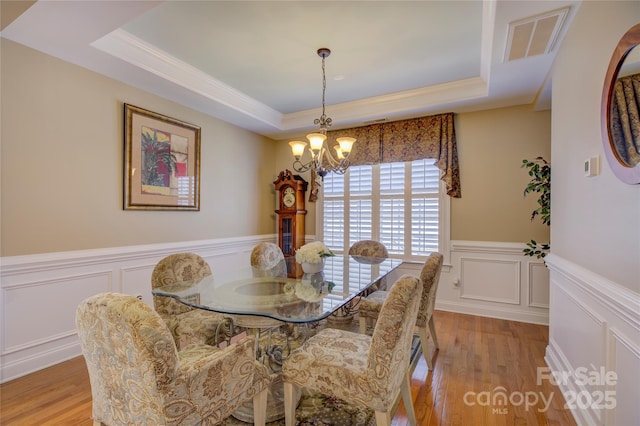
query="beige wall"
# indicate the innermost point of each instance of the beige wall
(595, 220)
(491, 147)
(62, 143)
(62, 167)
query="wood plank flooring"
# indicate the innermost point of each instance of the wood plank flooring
(480, 359)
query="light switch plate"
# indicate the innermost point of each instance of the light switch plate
(592, 166)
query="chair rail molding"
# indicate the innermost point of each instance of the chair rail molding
(53, 284)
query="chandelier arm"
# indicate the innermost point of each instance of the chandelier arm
(333, 161)
(299, 167)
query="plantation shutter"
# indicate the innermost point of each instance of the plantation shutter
(394, 203)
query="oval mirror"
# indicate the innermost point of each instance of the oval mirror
(620, 108)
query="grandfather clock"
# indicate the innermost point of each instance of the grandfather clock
(291, 211)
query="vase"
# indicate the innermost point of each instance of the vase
(312, 268)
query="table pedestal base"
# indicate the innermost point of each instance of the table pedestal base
(275, 404)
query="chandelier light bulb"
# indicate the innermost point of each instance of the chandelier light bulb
(297, 148)
(346, 144)
(316, 140)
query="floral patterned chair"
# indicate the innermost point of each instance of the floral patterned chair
(267, 260)
(139, 377)
(370, 252)
(430, 276)
(188, 325)
(368, 370)
(368, 249)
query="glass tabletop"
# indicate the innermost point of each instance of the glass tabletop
(297, 298)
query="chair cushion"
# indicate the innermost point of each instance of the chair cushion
(334, 362)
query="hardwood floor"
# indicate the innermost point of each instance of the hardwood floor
(480, 359)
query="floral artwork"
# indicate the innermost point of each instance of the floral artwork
(160, 165)
(162, 162)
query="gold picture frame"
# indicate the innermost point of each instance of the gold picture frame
(161, 162)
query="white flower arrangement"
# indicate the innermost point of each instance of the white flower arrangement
(313, 252)
(308, 293)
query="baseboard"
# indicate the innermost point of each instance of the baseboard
(541, 318)
(30, 364)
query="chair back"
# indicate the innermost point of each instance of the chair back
(130, 355)
(430, 276)
(390, 350)
(267, 260)
(369, 248)
(176, 269)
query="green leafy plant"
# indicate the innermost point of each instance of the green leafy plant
(155, 153)
(540, 172)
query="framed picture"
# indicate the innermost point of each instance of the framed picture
(161, 162)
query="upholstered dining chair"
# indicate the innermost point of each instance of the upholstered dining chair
(369, 248)
(370, 306)
(188, 325)
(368, 370)
(267, 260)
(370, 252)
(138, 376)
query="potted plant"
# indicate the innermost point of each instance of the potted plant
(311, 256)
(540, 172)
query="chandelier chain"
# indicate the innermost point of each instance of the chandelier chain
(324, 87)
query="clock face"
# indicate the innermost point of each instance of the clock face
(289, 197)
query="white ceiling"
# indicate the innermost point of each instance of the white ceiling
(254, 63)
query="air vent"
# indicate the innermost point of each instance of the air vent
(535, 35)
(379, 120)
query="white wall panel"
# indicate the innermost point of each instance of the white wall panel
(581, 331)
(626, 363)
(40, 293)
(44, 309)
(538, 294)
(136, 280)
(494, 279)
(595, 324)
(53, 284)
(490, 280)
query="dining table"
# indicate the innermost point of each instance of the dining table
(298, 302)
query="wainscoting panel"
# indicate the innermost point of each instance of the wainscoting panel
(503, 275)
(136, 280)
(39, 294)
(594, 332)
(538, 295)
(29, 304)
(624, 353)
(501, 283)
(494, 279)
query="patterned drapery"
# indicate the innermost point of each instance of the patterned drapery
(625, 119)
(408, 140)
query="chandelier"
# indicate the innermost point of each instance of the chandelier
(322, 160)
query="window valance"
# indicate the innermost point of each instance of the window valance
(407, 140)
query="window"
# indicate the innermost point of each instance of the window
(398, 204)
